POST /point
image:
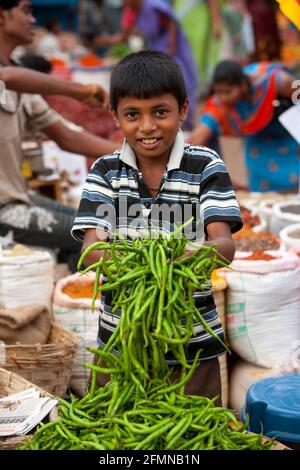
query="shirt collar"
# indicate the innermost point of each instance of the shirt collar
(127, 154)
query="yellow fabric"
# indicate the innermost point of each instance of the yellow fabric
(291, 9)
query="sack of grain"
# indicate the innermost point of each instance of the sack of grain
(263, 305)
(290, 235)
(26, 279)
(284, 214)
(72, 308)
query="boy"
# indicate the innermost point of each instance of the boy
(35, 220)
(155, 169)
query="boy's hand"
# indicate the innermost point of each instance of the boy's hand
(189, 250)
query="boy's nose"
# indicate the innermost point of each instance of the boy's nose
(147, 124)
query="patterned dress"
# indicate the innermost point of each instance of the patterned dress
(271, 154)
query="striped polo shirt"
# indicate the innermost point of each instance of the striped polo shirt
(196, 183)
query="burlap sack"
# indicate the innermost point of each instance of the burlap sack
(26, 325)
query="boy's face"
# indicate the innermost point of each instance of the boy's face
(150, 125)
(18, 23)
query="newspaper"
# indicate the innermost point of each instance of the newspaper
(21, 412)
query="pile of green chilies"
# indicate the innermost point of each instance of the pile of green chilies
(139, 408)
(163, 421)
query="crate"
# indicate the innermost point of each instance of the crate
(11, 383)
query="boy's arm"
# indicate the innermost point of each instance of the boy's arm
(24, 80)
(91, 236)
(83, 142)
(220, 233)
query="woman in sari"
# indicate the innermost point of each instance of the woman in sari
(246, 102)
(202, 24)
(156, 22)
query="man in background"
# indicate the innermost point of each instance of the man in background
(33, 219)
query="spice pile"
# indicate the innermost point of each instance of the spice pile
(140, 408)
(247, 240)
(77, 290)
(291, 209)
(249, 220)
(258, 256)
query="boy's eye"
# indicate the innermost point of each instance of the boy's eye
(131, 114)
(161, 112)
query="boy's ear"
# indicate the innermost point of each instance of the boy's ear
(115, 118)
(184, 110)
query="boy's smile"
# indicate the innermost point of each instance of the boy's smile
(150, 125)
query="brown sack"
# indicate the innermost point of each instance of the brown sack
(30, 324)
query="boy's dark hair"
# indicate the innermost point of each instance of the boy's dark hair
(9, 4)
(146, 74)
(229, 72)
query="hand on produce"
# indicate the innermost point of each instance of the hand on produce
(189, 251)
(96, 96)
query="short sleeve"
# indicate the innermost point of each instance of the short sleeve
(97, 204)
(39, 114)
(208, 120)
(218, 201)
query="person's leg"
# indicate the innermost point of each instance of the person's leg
(205, 382)
(101, 379)
(43, 227)
(51, 204)
(65, 215)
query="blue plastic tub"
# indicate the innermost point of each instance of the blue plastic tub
(273, 407)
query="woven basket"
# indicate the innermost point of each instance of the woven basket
(11, 383)
(46, 365)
